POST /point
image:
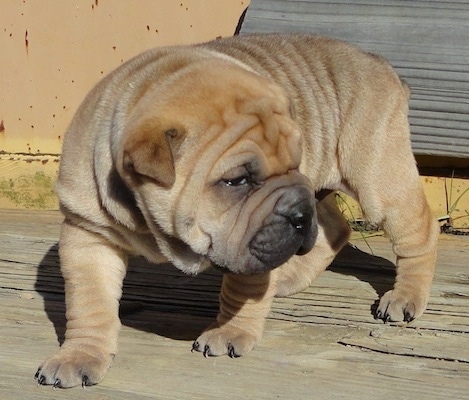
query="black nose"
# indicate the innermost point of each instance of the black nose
(301, 217)
(297, 207)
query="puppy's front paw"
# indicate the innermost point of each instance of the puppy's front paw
(396, 306)
(219, 340)
(72, 368)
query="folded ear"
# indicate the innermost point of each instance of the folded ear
(150, 153)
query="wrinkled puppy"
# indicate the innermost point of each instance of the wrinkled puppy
(214, 155)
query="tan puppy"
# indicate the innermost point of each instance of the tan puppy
(212, 155)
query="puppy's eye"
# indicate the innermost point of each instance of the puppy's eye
(238, 181)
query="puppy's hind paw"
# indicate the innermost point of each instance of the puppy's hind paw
(398, 306)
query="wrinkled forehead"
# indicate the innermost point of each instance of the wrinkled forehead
(247, 119)
(275, 138)
(226, 110)
(257, 137)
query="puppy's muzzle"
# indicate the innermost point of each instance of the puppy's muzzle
(290, 229)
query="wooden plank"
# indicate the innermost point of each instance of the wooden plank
(289, 362)
(426, 41)
(417, 344)
(322, 342)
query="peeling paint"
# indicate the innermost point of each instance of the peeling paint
(27, 180)
(30, 191)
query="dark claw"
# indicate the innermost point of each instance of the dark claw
(56, 384)
(231, 352)
(195, 346)
(207, 351)
(382, 316)
(408, 317)
(85, 381)
(41, 380)
(36, 375)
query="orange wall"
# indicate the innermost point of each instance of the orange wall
(53, 51)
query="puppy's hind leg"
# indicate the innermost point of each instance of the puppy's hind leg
(93, 272)
(333, 234)
(387, 184)
(414, 234)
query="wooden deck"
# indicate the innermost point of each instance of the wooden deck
(320, 344)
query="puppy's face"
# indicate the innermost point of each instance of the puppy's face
(212, 156)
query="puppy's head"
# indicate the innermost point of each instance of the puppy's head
(212, 155)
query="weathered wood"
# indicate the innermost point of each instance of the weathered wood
(322, 343)
(426, 41)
